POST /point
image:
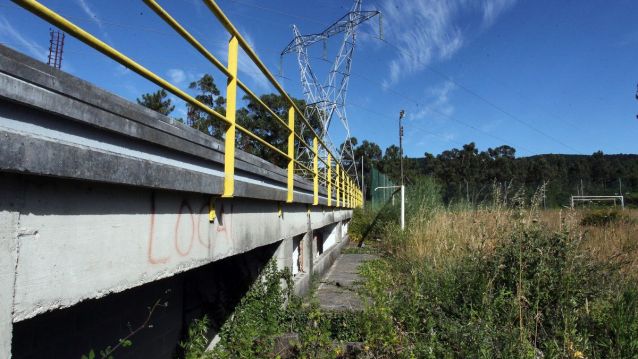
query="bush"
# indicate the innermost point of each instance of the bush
(601, 217)
(423, 197)
(532, 294)
(368, 223)
(269, 312)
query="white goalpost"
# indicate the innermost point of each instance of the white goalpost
(575, 199)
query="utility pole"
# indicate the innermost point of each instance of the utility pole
(363, 186)
(401, 114)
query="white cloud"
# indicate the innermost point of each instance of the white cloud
(245, 64)
(94, 17)
(427, 31)
(426, 138)
(120, 70)
(176, 76)
(493, 8)
(438, 104)
(88, 11)
(8, 32)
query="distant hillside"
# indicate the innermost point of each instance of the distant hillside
(470, 175)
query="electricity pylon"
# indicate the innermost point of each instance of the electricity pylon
(326, 100)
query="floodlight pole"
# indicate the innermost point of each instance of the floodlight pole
(401, 114)
(363, 186)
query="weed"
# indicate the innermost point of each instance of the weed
(499, 281)
(601, 217)
(267, 312)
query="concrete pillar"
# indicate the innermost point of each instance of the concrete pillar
(283, 254)
(308, 252)
(8, 260)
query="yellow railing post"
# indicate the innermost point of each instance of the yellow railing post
(349, 193)
(352, 194)
(354, 197)
(329, 181)
(345, 187)
(315, 171)
(338, 182)
(342, 184)
(231, 106)
(291, 155)
(345, 190)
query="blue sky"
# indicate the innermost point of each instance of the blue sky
(541, 76)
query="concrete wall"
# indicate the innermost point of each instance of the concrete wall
(79, 240)
(213, 290)
(100, 196)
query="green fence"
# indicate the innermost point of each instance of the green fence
(381, 195)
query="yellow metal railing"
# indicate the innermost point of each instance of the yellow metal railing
(335, 179)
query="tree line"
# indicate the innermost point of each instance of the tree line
(469, 175)
(250, 115)
(466, 174)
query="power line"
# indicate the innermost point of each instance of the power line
(490, 103)
(445, 76)
(504, 141)
(454, 119)
(406, 97)
(384, 116)
(275, 11)
(438, 72)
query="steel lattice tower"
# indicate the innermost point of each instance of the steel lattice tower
(326, 100)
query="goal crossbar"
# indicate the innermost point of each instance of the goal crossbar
(598, 198)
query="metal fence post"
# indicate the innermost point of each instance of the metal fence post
(402, 207)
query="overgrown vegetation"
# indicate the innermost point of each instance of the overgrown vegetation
(271, 322)
(505, 280)
(602, 217)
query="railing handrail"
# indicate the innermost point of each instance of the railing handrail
(346, 191)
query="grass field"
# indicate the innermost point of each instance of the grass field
(504, 280)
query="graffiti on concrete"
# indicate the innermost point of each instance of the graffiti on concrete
(189, 229)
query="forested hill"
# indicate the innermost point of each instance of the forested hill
(468, 174)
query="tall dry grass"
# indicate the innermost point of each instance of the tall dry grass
(438, 234)
(506, 279)
(616, 241)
